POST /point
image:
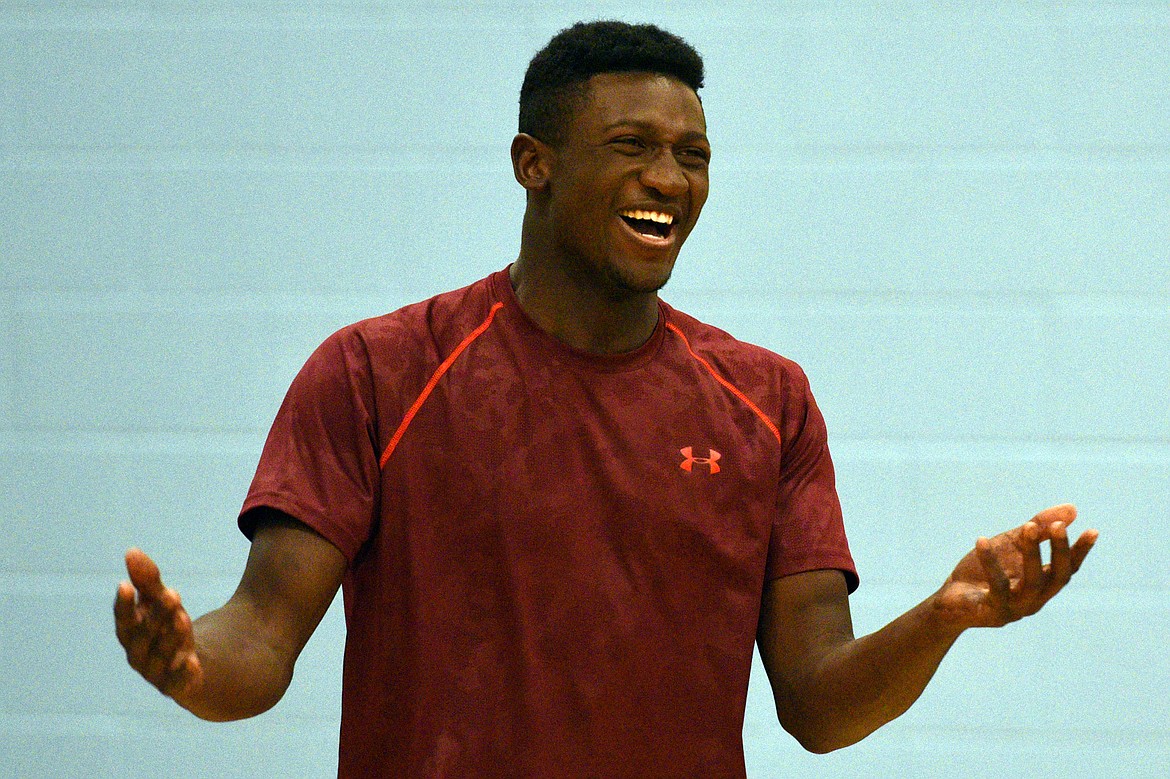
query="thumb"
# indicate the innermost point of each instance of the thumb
(1064, 513)
(144, 574)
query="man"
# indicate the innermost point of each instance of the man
(562, 512)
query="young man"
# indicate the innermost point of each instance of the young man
(563, 512)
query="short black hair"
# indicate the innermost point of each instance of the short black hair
(556, 77)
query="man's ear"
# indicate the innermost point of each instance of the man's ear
(531, 162)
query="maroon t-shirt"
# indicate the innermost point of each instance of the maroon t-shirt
(556, 558)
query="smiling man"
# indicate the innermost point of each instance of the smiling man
(630, 179)
(562, 512)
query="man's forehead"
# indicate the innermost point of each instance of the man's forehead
(642, 98)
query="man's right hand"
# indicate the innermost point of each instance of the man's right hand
(155, 630)
(247, 647)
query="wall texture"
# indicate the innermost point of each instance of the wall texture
(956, 216)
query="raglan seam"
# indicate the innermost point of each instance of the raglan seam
(728, 385)
(433, 381)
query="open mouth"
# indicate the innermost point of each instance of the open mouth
(650, 224)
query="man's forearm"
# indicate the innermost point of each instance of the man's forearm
(862, 684)
(242, 674)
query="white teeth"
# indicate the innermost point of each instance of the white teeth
(651, 216)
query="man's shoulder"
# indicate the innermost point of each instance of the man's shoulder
(434, 320)
(718, 345)
(775, 383)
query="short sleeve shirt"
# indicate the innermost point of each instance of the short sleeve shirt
(556, 559)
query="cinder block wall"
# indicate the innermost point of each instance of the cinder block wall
(954, 216)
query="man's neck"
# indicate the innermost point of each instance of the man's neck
(581, 315)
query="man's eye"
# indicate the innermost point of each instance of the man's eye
(695, 156)
(629, 144)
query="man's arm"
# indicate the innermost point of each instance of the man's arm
(833, 690)
(238, 660)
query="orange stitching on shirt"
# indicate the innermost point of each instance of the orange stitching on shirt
(434, 380)
(730, 387)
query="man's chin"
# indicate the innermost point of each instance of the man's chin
(627, 283)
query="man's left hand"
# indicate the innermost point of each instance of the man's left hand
(1004, 577)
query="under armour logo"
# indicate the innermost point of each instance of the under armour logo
(711, 460)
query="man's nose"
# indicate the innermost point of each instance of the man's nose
(664, 175)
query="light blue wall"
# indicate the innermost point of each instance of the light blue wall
(956, 216)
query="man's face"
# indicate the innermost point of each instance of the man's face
(628, 182)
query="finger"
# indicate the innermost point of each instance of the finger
(174, 637)
(155, 665)
(186, 673)
(146, 627)
(142, 638)
(1027, 542)
(169, 640)
(1080, 549)
(126, 616)
(137, 642)
(1060, 568)
(172, 664)
(184, 668)
(124, 612)
(1065, 513)
(144, 574)
(997, 580)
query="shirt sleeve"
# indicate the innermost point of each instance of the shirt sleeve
(808, 532)
(320, 461)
